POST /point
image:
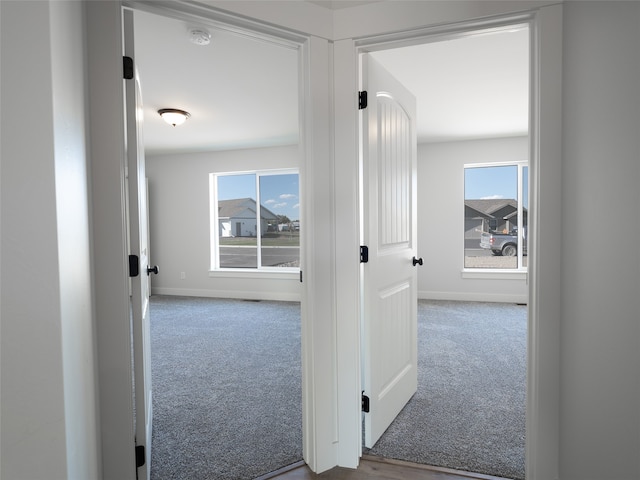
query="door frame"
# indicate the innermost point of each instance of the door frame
(330, 329)
(113, 338)
(545, 149)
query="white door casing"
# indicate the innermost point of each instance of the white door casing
(137, 207)
(389, 277)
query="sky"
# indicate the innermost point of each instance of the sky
(494, 182)
(279, 193)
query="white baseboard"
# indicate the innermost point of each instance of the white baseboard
(474, 297)
(294, 297)
(240, 295)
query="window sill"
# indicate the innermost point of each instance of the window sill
(288, 274)
(494, 274)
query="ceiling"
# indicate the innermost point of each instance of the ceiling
(471, 87)
(242, 92)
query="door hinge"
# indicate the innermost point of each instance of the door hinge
(364, 254)
(140, 456)
(127, 68)
(365, 403)
(362, 100)
(134, 266)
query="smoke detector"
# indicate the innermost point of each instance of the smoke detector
(199, 36)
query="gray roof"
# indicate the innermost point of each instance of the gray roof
(237, 206)
(490, 206)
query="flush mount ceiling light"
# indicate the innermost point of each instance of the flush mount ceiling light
(174, 116)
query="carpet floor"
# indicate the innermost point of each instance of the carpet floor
(227, 389)
(469, 410)
(226, 377)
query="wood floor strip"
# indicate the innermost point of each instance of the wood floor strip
(418, 466)
(377, 468)
(281, 471)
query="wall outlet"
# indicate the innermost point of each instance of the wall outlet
(183, 275)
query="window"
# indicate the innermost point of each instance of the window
(496, 205)
(255, 222)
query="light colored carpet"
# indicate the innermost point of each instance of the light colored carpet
(227, 389)
(469, 410)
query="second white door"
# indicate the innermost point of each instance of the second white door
(390, 276)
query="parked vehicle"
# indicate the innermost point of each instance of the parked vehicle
(505, 244)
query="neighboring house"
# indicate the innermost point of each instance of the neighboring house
(490, 214)
(237, 218)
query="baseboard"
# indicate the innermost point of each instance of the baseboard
(295, 297)
(241, 295)
(474, 297)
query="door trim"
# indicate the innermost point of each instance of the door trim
(110, 255)
(542, 417)
(104, 51)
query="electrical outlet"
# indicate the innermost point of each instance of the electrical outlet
(183, 275)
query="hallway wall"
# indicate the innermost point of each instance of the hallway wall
(600, 331)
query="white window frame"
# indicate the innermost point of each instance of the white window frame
(521, 271)
(260, 271)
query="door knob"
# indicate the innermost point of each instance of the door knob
(417, 261)
(153, 269)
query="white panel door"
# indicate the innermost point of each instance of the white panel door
(137, 210)
(389, 277)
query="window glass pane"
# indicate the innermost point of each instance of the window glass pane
(491, 217)
(237, 224)
(280, 230)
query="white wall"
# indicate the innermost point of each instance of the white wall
(49, 409)
(441, 222)
(600, 336)
(180, 225)
(74, 251)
